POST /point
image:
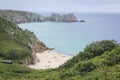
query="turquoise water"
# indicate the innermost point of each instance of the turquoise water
(71, 38)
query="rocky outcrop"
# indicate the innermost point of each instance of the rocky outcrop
(63, 18)
(35, 44)
(69, 18)
(25, 17)
(56, 17)
(82, 20)
(38, 46)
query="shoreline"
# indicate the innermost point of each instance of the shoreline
(63, 53)
(50, 59)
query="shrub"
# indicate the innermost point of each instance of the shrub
(85, 67)
(113, 57)
(99, 47)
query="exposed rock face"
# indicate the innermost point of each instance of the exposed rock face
(62, 18)
(35, 44)
(38, 46)
(56, 17)
(69, 18)
(21, 16)
(24, 17)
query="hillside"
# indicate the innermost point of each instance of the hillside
(17, 44)
(25, 17)
(99, 61)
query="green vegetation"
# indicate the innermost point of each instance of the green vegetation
(14, 42)
(99, 61)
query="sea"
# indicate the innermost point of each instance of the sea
(71, 38)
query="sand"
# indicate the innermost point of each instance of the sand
(50, 59)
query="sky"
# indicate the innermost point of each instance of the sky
(62, 5)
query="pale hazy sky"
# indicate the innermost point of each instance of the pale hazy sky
(62, 5)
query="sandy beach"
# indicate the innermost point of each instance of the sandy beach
(50, 59)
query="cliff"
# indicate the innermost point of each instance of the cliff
(18, 44)
(21, 16)
(63, 18)
(24, 17)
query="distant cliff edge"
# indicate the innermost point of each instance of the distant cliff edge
(24, 17)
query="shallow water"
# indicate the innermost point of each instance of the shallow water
(73, 37)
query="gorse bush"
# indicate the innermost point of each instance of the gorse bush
(85, 67)
(99, 47)
(113, 57)
(92, 50)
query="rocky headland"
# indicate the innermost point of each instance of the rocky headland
(25, 17)
(55, 17)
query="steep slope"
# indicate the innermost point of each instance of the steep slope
(104, 67)
(18, 44)
(24, 17)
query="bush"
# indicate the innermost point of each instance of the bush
(86, 55)
(85, 67)
(99, 47)
(94, 49)
(113, 57)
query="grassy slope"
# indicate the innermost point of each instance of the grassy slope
(103, 67)
(99, 69)
(13, 42)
